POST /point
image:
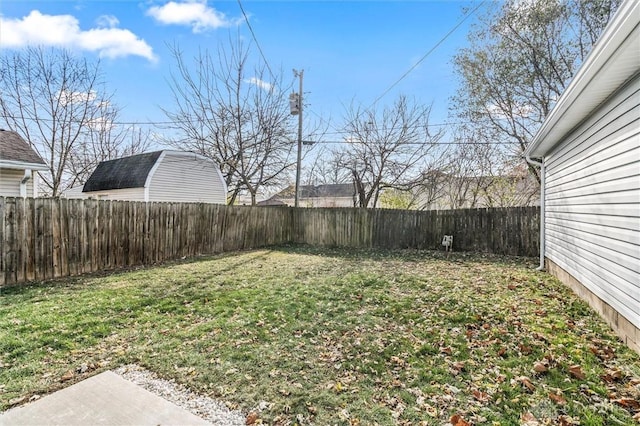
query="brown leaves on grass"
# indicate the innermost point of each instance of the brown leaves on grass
(526, 383)
(539, 367)
(557, 398)
(576, 371)
(252, 418)
(481, 396)
(612, 375)
(457, 420)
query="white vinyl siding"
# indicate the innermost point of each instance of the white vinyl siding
(593, 202)
(10, 183)
(181, 177)
(127, 194)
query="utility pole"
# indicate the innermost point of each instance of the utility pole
(299, 74)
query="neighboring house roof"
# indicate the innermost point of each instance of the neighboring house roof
(336, 190)
(15, 153)
(612, 62)
(127, 172)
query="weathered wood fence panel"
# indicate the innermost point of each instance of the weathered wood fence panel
(46, 238)
(501, 230)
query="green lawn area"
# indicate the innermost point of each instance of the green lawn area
(319, 336)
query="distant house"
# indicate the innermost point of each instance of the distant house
(329, 195)
(171, 176)
(589, 153)
(19, 166)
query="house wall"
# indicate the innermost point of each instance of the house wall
(127, 194)
(10, 183)
(593, 210)
(186, 178)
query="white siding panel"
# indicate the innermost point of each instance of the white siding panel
(597, 132)
(592, 211)
(612, 167)
(608, 232)
(593, 277)
(127, 194)
(618, 252)
(623, 211)
(10, 182)
(611, 222)
(580, 189)
(186, 178)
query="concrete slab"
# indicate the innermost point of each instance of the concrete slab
(104, 399)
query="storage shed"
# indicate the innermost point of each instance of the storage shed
(589, 153)
(19, 166)
(171, 176)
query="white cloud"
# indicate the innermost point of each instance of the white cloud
(107, 21)
(64, 31)
(195, 13)
(260, 83)
(66, 97)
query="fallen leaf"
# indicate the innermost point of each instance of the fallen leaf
(458, 365)
(481, 396)
(252, 418)
(528, 419)
(557, 398)
(567, 421)
(612, 375)
(576, 372)
(457, 420)
(446, 350)
(432, 411)
(628, 403)
(525, 350)
(539, 367)
(16, 401)
(67, 376)
(526, 382)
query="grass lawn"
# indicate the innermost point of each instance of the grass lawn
(313, 336)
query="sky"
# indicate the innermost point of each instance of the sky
(350, 51)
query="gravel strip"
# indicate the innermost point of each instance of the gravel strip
(209, 409)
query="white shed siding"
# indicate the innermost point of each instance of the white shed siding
(593, 203)
(186, 178)
(127, 194)
(10, 183)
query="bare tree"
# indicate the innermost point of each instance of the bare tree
(386, 149)
(105, 140)
(520, 58)
(233, 115)
(54, 100)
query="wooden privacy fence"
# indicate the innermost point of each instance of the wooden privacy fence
(44, 238)
(512, 230)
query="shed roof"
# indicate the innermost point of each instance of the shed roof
(612, 62)
(126, 172)
(14, 149)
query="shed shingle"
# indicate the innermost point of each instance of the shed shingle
(128, 172)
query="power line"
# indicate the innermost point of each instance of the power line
(306, 142)
(256, 40)
(442, 40)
